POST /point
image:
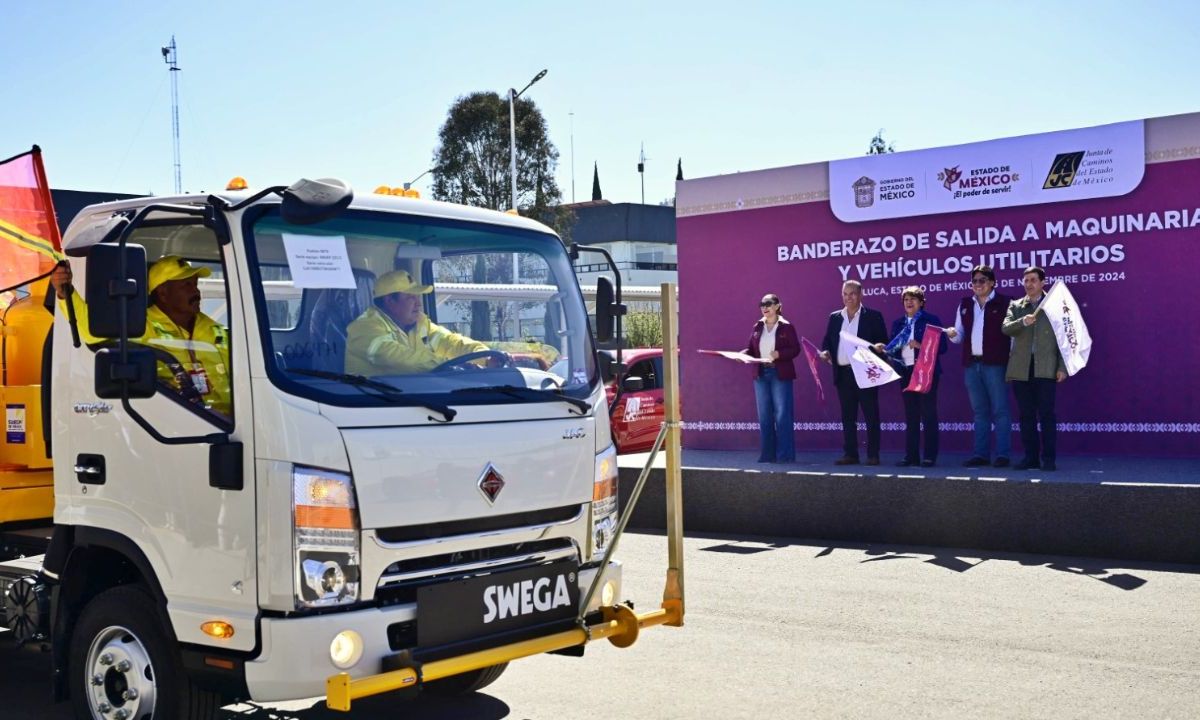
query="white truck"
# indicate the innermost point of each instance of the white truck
(321, 532)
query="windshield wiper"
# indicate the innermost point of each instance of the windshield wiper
(530, 394)
(373, 387)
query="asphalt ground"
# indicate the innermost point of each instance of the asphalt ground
(782, 628)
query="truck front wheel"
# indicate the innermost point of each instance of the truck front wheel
(124, 667)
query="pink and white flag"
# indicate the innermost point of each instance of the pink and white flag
(870, 370)
(811, 353)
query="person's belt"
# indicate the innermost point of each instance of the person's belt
(977, 358)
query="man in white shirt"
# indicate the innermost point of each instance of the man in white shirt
(867, 324)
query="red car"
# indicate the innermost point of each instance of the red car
(639, 414)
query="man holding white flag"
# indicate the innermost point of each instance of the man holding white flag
(847, 331)
(1074, 340)
(1035, 366)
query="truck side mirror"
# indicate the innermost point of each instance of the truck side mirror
(633, 383)
(137, 373)
(604, 310)
(106, 285)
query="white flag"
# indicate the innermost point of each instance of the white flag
(870, 370)
(1074, 341)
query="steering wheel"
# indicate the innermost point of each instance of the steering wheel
(461, 361)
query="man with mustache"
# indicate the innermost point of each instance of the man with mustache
(174, 324)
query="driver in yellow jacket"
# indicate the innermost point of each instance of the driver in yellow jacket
(174, 324)
(395, 337)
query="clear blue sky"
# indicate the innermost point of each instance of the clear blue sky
(358, 89)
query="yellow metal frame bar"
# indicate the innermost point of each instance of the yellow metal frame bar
(620, 624)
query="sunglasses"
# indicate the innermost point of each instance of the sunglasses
(768, 303)
(979, 280)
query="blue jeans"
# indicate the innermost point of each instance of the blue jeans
(989, 400)
(775, 412)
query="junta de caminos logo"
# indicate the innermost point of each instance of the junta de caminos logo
(1062, 171)
(949, 176)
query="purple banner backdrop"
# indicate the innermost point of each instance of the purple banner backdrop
(1139, 292)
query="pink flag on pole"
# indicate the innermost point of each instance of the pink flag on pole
(811, 352)
(922, 376)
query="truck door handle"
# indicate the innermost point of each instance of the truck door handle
(89, 469)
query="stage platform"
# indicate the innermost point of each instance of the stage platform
(1144, 509)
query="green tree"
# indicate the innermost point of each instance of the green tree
(643, 329)
(472, 160)
(879, 146)
(596, 194)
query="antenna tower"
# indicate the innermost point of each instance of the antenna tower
(171, 58)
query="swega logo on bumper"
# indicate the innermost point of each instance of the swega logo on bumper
(525, 598)
(466, 609)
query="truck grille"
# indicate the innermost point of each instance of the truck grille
(400, 581)
(511, 521)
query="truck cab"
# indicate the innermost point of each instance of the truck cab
(306, 521)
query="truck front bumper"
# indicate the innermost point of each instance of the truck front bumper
(295, 659)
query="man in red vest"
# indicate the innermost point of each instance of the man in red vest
(979, 322)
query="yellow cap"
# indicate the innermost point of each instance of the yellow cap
(399, 281)
(172, 267)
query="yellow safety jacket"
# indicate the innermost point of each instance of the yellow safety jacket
(376, 345)
(201, 373)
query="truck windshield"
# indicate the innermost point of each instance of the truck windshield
(378, 308)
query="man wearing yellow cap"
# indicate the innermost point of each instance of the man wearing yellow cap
(174, 324)
(395, 337)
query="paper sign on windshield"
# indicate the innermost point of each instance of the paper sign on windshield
(318, 261)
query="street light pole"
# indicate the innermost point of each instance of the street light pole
(409, 184)
(512, 130)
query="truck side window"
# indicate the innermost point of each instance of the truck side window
(187, 321)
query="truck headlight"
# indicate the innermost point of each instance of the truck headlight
(326, 538)
(604, 500)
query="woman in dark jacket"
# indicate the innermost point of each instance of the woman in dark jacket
(774, 338)
(907, 334)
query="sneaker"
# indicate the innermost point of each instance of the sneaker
(1026, 465)
(1000, 462)
(976, 462)
(846, 460)
(906, 463)
(928, 463)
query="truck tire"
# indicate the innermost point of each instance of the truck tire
(123, 664)
(466, 683)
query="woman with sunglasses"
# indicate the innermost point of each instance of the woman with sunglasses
(774, 338)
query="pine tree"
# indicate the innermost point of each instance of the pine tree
(596, 182)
